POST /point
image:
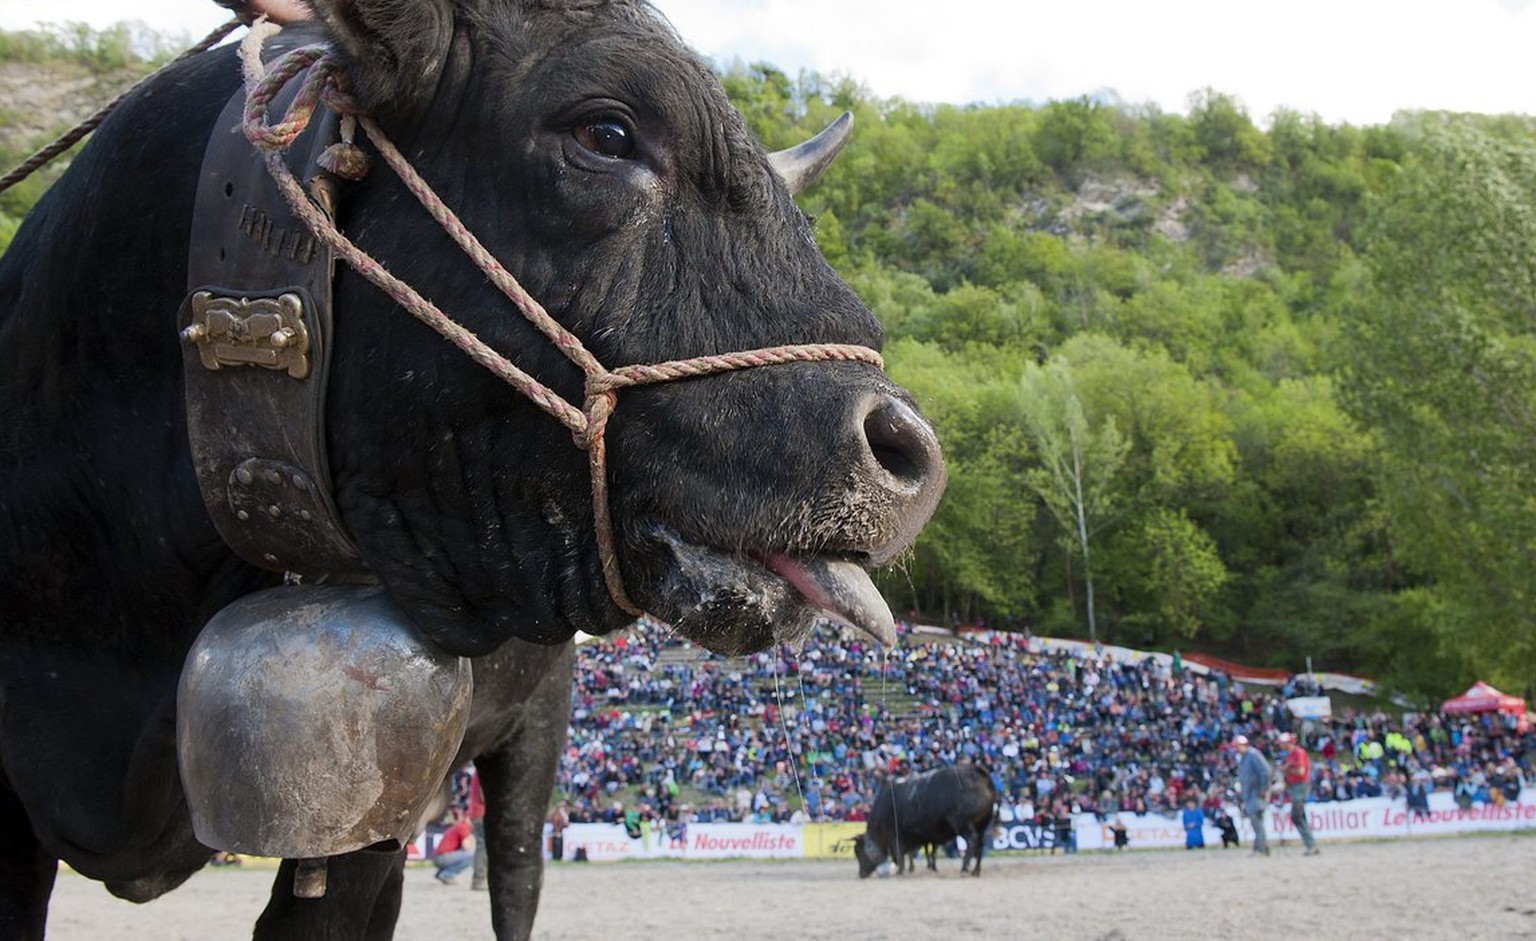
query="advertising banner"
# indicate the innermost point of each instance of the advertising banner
(1310, 707)
(830, 840)
(1023, 836)
(603, 842)
(1146, 830)
(1367, 818)
(734, 840)
(606, 842)
(1379, 817)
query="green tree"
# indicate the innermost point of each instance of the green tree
(973, 557)
(1074, 135)
(1444, 364)
(1225, 133)
(1078, 463)
(1174, 573)
(1179, 438)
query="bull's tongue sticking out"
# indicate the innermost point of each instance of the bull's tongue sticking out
(842, 590)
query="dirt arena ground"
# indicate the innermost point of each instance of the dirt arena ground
(1462, 889)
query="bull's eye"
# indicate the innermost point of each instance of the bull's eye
(609, 137)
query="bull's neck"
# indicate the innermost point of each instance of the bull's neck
(99, 505)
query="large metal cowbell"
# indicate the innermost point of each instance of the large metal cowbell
(315, 720)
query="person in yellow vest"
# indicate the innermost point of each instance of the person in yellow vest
(1370, 754)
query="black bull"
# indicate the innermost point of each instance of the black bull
(599, 161)
(925, 812)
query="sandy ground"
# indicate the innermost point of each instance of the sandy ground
(1461, 889)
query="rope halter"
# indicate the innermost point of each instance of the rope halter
(325, 82)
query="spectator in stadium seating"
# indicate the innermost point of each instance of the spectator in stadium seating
(1193, 819)
(1510, 779)
(1419, 783)
(1121, 835)
(1228, 828)
(1463, 793)
(1084, 728)
(559, 819)
(1253, 776)
(677, 827)
(1061, 823)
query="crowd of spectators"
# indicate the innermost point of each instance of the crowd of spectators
(810, 733)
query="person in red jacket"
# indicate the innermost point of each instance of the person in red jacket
(1296, 767)
(455, 849)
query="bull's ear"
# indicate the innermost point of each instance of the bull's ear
(394, 49)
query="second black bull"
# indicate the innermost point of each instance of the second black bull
(924, 812)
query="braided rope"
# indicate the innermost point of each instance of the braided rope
(67, 140)
(324, 81)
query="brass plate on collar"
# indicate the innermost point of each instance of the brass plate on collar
(242, 331)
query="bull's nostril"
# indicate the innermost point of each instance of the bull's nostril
(900, 441)
(904, 491)
(891, 457)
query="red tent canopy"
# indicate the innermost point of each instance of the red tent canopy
(1484, 698)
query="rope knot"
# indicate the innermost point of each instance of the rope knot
(601, 401)
(323, 81)
(273, 138)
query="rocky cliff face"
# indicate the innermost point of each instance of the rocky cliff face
(39, 101)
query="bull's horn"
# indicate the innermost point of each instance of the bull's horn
(801, 165)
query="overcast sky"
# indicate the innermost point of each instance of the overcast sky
(1344, 60)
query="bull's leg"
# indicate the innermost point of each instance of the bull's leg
(973, 834)
(975, 844)
(518, 778)
(386, 905)
(361, 901)
(26, 875)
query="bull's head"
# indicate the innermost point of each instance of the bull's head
(600, 161)
(869, 853)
